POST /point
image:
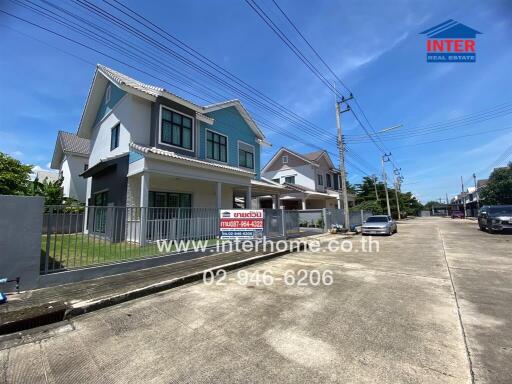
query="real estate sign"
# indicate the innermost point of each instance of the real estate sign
(241, 223)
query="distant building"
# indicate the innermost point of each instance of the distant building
(49, 176)
(71, 158)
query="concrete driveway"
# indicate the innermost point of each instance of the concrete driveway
(433, 306)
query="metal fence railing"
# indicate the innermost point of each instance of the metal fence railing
(94, 235)
(106, 234)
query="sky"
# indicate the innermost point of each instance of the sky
(374, 47)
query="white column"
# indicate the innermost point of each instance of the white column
(218, 196)
(303, 203)
(144, 202)
(275, 201)
(248, 198)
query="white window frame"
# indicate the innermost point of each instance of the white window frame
(193, 135)
(206, 146)
(284, 159)
(253, 155)
(108, 93)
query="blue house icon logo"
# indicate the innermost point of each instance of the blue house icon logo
(451, 41)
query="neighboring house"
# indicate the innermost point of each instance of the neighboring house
(311, 178)
(152, 148)
(42, 175)
(71, 158)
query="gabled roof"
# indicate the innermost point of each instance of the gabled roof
(280, 152)
(241, 109)
(70, 144)
(310, 157)
(451, 29)
(313, 155)
(103, 75)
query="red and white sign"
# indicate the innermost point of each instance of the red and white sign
(241, 223)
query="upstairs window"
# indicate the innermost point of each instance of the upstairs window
(114, 137)
(176, 129)
(245, 155)
(245, 158)
(289, 179)
(285, 159)
(328, 180)
(216, 146)
(320, 180)
(276, 181)
(86, 167)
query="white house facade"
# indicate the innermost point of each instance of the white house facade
(312, 179)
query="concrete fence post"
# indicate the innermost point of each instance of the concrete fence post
(21, 225)
(362, 217)
(326, 220)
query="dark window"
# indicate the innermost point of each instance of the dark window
(328, 180)
(86, 167)
(276, 180)
(336, 182)
(114, 137)
(289, 179)
(176, 129)
(216, 146)
(245, 159)
(170, 200)
(377, 219)
(320, 180)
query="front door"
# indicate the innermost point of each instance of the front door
(100, 213)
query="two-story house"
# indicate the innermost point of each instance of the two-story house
(311, 178)
(71, 158)
(152, 148)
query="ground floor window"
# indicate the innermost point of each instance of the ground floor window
(170, 200)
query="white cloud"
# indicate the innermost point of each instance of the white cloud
(17, 154)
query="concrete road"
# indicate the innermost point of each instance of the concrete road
(432, 306)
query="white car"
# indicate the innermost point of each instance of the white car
(379, 225)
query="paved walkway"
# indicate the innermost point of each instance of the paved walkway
(118, 285)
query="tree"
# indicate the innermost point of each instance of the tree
(50, 190)
(499, 187)
(14, 176)
(367, 200)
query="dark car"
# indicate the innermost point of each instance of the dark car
(494, 218)
(457, 215)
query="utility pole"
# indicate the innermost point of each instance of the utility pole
(343, 195)
(374, 178)
(397, 187)
(447, 204)
(385, 159)
(463, 195)
(477, 195)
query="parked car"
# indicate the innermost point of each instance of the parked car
(457, 215)
(495, 218)
(379, 225)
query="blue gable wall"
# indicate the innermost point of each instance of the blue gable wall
(115, 95)
(230, 123)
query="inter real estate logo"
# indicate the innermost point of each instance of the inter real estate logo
(451, 42)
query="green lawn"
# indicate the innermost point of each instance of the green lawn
(80, 250)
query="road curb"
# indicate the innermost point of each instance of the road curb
(81, 308)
